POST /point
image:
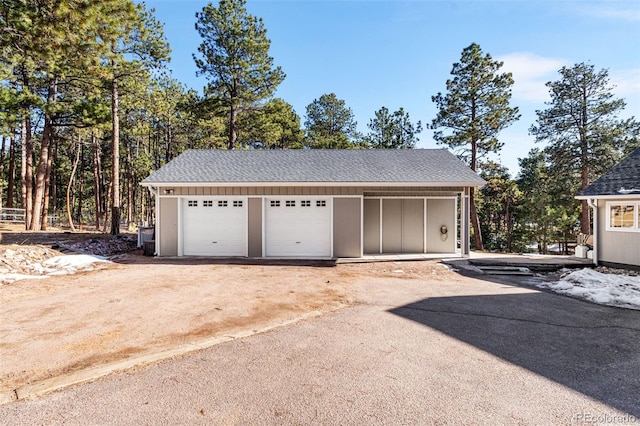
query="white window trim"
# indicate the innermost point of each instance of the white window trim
(636, 225)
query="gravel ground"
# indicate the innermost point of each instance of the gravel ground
(408, 351)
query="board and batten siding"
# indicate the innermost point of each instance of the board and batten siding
(616, 246)
(266, 190)
(347, 227)
(351, 238)
(255, 227)
(168, 231)
(441, 213)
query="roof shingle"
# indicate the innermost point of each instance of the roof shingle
(622, 179)
(428, 166)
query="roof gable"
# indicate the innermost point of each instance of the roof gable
(622, 179)
(416, 166)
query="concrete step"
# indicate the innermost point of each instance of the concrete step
(506, 270)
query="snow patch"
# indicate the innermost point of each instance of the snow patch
(604, 289)
(58, 265)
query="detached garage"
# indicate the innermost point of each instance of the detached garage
(312, 203)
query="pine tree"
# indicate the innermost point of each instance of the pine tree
(473, 111)
(330, 124)
(582, 128)
(234, 57)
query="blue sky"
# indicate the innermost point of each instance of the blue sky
(399, 53)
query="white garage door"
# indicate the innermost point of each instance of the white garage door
(298, 226)
(214, 226)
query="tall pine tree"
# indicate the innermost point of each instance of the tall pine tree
(582, 128)
(234, 57)
(473, 111)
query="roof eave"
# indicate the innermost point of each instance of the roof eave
(608, 196)
(264, 184)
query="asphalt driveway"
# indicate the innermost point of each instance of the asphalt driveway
(415, 350)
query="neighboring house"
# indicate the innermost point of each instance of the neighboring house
(615, 199)
(311, 203)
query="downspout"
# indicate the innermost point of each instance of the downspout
(593, 203)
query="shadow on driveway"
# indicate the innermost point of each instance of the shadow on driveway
(592, 349)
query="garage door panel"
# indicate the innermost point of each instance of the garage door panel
(214, 227)
(298, 227)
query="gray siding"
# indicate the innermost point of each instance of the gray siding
(402, 225)
(347, 227)
(255, 227)
(413, 226)
(168, 232)
(439, 213)
(371, 226)
(392, 226)
(616, 246)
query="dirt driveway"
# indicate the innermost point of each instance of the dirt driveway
(64, 324)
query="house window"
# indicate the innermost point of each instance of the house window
(623, 216)
(321, 203)
(275, 203)
(222, 203)
(192, 203)
(305, 203)
(290, 203)
(207, 203)
(237, 203)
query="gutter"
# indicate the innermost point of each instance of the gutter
(429, 184)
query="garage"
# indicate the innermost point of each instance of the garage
(298, 226)
(214, 226)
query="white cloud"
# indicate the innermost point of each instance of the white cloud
(612, 10)
(627, 84)
(530, 74)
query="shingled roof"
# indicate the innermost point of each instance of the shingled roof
(431, 167)
(622, 179)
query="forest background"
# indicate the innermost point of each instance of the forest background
(90, 108)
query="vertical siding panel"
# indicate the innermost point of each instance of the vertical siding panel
(199, 190)
(299, 190)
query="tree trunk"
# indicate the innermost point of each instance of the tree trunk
(26, 173)
(475, 222)
(130, 184)
(2, 152)
(80, 185)
(474, 219)
(12, 169)
(115, 163)
(71, 178)
(97, 181)
(233, 136)
(107, 216)
(54, 179)
(47, 188)
(41, 172)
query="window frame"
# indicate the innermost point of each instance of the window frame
(622, 203)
